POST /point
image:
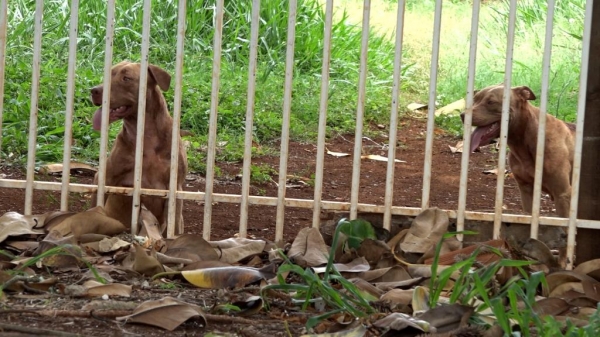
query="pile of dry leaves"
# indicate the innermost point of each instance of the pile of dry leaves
(362, 281)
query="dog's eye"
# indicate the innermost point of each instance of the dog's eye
(490, 102)
(126, 79)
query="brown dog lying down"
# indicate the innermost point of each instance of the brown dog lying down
(125, 77)
(522, 141)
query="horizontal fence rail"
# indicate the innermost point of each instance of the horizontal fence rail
(281, 201)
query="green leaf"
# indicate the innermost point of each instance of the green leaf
(314, 320)
(357, 230)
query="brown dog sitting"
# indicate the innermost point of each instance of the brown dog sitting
(125, 78)
(522, 141)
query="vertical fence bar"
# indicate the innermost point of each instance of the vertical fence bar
(141, 118)
(108, 56)
(575, 183)
(33, 112)
(323, 114)
(175, 137)
(464, 163)
(389, 184)
(3, 25)
(541, 136)
(66, 173)
(255, 24)
(212, 129)
(360, 109)
(435, 53)
(285, 125)
(505, 118)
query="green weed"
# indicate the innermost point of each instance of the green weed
(261, 173)
(318, 289)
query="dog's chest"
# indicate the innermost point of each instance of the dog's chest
(155, 171)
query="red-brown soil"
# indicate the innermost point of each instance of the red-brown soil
(337, 183)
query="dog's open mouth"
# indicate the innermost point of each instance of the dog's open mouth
(483, 135)
(114, 115)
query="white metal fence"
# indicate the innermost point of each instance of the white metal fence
(281, 202)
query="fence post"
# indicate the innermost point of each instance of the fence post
(589, 193)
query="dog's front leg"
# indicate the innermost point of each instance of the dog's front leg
(526, 196)
(563, 203)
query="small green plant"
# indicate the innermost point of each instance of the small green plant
(511, 303)
(169, 285)
(321, 289)
(67, 249)
(451, 123)
(225, 309)
(262, 173)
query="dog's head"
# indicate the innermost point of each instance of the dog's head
(124, 90)
(487, 111)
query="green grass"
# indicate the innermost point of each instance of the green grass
(271, 65)
(512, 304)
(491, 50)
(197, 76)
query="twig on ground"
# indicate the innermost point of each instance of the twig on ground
(69, 313)
(36, 331)
(118, 313)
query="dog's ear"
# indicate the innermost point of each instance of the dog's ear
(525, 93)
(161, 77)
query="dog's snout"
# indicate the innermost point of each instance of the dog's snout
(96, 95)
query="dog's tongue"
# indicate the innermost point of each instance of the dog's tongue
(476, 136)
(97, 119)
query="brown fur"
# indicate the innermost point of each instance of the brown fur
(125, 78)
(522, 141)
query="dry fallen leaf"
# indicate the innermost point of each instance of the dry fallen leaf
(448, 317)
(458, 148)
(494, 171)
(205, 264)
(367, 287)
(551, 306)
(591, 268)
(111, 244)
(337, 154)
(93, 220)
(236, 249)
(357, 265)
(14, 224)
(399, 321)
(453, 108)
(560, 277)
(167, 313)
(398, 297)
(416, 106)
(146, 264)
(149, 226)
(309, 248)
(426, 231)
(193, 247)
(97, 289)
(73, 166)
(227, 277)
(390, 274)
(55, 218)
(380, 158)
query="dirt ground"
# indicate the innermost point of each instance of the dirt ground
(261, 223)
(337, 183)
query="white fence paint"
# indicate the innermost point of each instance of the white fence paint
(281, 202)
